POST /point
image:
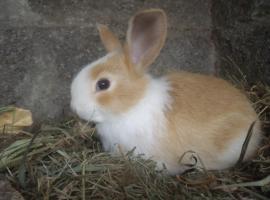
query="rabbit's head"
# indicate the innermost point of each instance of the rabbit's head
(115, 83)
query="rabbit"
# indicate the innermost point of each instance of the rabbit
(162, 118)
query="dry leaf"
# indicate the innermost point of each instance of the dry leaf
(14, 120)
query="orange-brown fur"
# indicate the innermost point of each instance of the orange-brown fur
(207, 96)
(129, 87)
(202, 102)
(110, 41)
(199, 102)
(206, 114)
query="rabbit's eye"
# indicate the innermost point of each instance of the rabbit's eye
(102, 84)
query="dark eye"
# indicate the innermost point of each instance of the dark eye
(102, 84)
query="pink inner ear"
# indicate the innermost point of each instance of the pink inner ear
(144, 36)
(139, 48)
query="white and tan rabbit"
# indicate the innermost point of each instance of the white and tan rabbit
(162, 117)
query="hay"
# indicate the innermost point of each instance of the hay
(62, 164)
(65, 161)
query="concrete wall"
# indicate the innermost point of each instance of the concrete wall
(43, 44)
(241, 32)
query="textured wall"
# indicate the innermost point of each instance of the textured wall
(242, 38)
(44, 43)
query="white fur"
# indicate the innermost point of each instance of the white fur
(82, 101)
(144, 125)
(141, 126)
(232, 153)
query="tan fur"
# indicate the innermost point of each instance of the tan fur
(207, 114)
(129, 88)
(109, 40)
(129, 76)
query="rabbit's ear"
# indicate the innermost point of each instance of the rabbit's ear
(109, 40)
(146, 36)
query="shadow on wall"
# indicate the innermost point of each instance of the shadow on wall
(242, 38)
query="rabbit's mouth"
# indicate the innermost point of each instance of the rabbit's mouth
(90, 124)
(87, 113)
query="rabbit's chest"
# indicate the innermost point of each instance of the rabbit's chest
(126, 136)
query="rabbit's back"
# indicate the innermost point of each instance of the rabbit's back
(210, 117)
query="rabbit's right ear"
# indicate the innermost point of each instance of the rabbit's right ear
(146, 36)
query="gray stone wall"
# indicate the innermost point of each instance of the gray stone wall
(44, 43)
(241, 32)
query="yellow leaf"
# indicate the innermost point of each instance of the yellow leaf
(14, 120)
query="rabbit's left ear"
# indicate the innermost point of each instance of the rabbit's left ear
(145, 37)
(109, 40)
